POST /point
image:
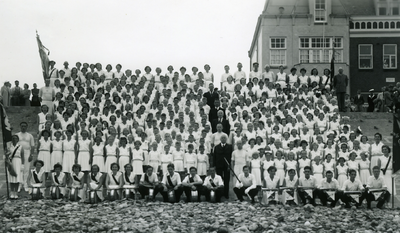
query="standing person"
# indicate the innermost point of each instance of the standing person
(208, 76)
(239, 74)
(35, 96)
(255, 73)
(340, 82)
(211, 95)
(53, 73)
(27, 143)
(26, 94)
(224, 77)
(5, 94)
(67, 71)
(371, 99)
(268, 75)
(46, 95)
(14, 158)
(246, 185)
(240, 158)
(15, 94)
(222, 155)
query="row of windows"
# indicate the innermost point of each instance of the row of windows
(312, 50)
(365, 56)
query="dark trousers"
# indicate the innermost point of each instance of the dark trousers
(218, 194)
(226, 176)
(323, 196)
(370, 197)
(305, 197)
(340, 99)
(188, 192)
(347, 199)
(240, 192)
(15, 101)
(144, 191)
(178, 194)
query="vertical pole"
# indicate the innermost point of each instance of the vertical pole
(393, 180)
(4, 148)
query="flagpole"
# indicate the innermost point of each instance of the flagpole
(4, 150)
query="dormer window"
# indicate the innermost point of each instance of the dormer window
(320, 13)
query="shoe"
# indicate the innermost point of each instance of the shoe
(15, 196)
(19, 188)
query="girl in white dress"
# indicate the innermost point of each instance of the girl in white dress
(98, 154)
(154, 157)
(44, 151)
(15, 159)
(303, 162)
(114, 179)
(137, 158)
(315, 151)
(58, 179)
(95, 181)
(69, 152)
(341, 171)
(279, 163)
(352, 164)
(83, 147)
(344, 151)
(166, 158)
(37, 177)
(329, 164)
(77, 180)
(124, 155)
(363, 165)
(202, 162)
(291, 163)
(41, 119)
(364, 145)
(318, 170)
(376, 150)
(386, 162)
(56, 149)
(255, 165)
(268, 162)
(190, 159)
(111, 154)
(178, 155)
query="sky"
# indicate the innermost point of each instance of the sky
(133, 33)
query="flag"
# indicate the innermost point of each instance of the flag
(43, 53)
(332, 64)
(5, 129)
(396, 143)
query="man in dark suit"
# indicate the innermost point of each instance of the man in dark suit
(359, 101)
(211, 95)
(340, 82)
(223, 151)
(371, 99)
(226, 128)
(213, 114)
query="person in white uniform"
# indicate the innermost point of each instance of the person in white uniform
(27, 143)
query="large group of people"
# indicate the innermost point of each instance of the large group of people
(18, 96)
(277, 136)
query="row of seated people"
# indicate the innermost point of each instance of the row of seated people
(116, 185)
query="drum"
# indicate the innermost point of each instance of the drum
(213, 197)
(73, 196)
(171, 196)
(194, 196)
(93, 199)
(55, 192)
(151, 193)
(36, 194)
(269, 196)
(113, 195)
(128, 190)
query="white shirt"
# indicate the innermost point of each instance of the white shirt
(217, 181)
(308, 183)
(249, 181)
(196, 179)
(376, 183)
(176, 179)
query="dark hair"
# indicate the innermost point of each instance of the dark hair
(76, 166)
(307, 167)
(38, 161)
(57, 166)
(24, 122)
(148, 167)
(380, 135)
(376, 167)
(328, 172)
(93, 166)
(126, 165)
(245, 166)
(171, 165)
(271, 168)
(388, 148)
(352, 171)
(193, 168)
(113, 165)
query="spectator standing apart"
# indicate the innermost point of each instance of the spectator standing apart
(268, 75)
(239, 74)
(46, 95)
(53, 73)
(224, 77)
(340, 82)
(371, 99)
(5, 94)
(359, 101)
(26, 94)
(211, 95)
(67, 71)
(27, 143)
(255, 73)
(16, 94)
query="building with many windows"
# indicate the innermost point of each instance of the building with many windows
(375, 45)
(307, 33)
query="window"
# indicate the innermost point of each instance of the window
(389, 56)
(395, 11)
(320, 50)
(278, 51)
(320, 11)
(382, 11)
(365, 56)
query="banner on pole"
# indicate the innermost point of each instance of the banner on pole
(44, 58)
(6, 129)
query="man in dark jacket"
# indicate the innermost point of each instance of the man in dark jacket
(211, 95)
(223, 151)
(226, 128)
(340, 82)
(371, 98)
(359, 101)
